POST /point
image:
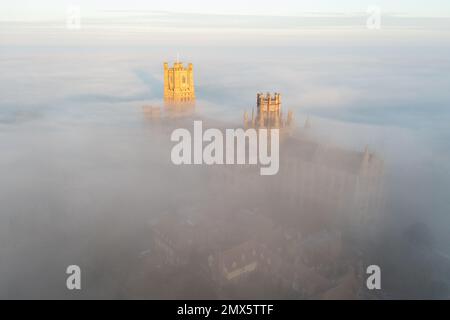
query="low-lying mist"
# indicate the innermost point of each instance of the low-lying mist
(86, 175)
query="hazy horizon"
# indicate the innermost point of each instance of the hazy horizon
(83, 174)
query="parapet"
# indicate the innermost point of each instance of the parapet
(268, 103)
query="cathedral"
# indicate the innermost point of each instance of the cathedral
(290, 231)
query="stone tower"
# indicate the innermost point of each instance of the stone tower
(267, 103)
(268, 112)
(269, 115)
(178, 83)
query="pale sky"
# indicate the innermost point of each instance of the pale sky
(53, 9)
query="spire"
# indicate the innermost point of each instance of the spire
(245, 120)
(366, 154)
(365, 160)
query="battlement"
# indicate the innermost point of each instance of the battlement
(268, 114)
(179, 83)
(178, 66)
(268, 103)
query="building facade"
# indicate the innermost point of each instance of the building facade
(179, 83)
(268, 113)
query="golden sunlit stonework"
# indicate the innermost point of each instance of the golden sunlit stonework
(268, 103)
(269, 114)
(179, 83)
